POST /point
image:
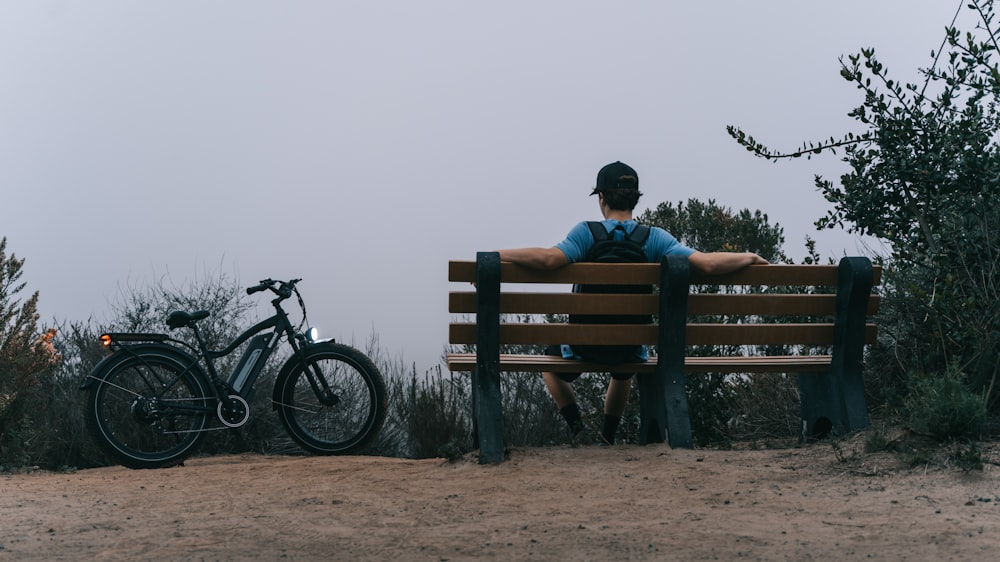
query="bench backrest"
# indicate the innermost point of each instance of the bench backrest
(800, 298)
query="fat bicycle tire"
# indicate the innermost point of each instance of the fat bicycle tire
(148, 409)
(351, 420)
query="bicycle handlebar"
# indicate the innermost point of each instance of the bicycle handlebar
(264, 285)
(284, 289)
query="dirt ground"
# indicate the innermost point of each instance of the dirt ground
(557, 503)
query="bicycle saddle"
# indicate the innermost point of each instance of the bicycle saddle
(179, 318)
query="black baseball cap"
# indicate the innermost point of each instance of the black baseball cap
(616, 175)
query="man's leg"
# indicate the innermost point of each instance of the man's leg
(616, 399)
(560, 390)
(565, 399)
(615, 402)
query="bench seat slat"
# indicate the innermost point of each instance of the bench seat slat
(696, 334)
(757, 364)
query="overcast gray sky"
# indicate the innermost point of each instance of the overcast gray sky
(361, 145)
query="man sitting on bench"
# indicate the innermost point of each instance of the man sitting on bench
(618, 193)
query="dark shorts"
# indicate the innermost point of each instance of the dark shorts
(570, 377)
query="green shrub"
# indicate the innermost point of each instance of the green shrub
(27, 360)
(437, 415)
(943, 407)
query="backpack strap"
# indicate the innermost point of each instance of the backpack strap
(639, 234)
(597, 230)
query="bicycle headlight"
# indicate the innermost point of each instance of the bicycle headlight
(311, 334)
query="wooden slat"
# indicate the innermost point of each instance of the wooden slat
(649, 273)
(762, 304)
(772, 275)
(542, 363)
(698, 304)
(766, 334)
(778, 275)
(560, 303)
(609, 273)
(696, 334)
(546, 334)
(768, 305)
(759, 364)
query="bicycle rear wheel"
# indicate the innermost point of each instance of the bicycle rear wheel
(343, 420)
(149, 409)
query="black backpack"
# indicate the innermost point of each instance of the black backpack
(608, 250)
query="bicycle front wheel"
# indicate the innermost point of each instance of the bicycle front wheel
(334, 401)
(148, 410)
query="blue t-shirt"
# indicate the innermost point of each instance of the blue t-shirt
(579, 241)
(660, 242)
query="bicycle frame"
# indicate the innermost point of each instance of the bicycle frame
(243, 377)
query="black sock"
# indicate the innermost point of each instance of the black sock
(609, 427)
(571, 414)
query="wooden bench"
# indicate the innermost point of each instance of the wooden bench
(830, 385)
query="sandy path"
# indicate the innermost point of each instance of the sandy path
(559, 503)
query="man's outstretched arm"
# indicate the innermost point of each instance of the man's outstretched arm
(535, 258)
(717, 263)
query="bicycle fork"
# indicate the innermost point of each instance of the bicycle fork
(325, 395)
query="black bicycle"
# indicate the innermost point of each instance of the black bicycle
(151, 401)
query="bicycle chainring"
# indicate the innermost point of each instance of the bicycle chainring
(234, 411)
